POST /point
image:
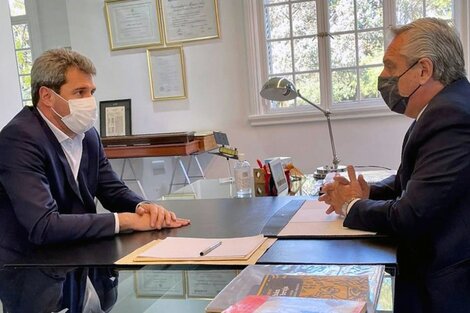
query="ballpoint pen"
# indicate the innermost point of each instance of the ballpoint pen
(210, 248)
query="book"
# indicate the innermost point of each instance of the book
(249, 280)
(316, 286)
(267, 304)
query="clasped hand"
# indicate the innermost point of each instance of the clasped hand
(155, 216)
(342, 190)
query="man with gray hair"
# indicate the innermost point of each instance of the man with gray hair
(426, 205)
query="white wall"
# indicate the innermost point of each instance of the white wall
(216, 73)
(9, 84)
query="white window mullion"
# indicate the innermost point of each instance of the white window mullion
(323, 54)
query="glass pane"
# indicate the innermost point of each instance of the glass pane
(344, 85)
(274, 1)
(309, 87)
(21, 36)
(439, 8)
(369, 14)
(306, 54)
(371, 48)
(368, 82)
(25, 85)
(279, 57)
(277, 22)
(304, 18)
(408, 10)
(25, 61)
(341, 15)
(17, 7)
(343, 51)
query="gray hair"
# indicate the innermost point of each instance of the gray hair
(437, 40)
(50, 68)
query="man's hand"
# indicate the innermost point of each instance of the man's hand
(149, 216)
(342, 190)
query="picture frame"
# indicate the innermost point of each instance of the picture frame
(206, 284)
(170, 284)
(133, 23)
(190, 20)
(115, 118)
(167, 73)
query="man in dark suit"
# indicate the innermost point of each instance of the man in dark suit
(52, 166)
(426, 205)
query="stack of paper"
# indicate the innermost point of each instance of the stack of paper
(183, 248)
(312, 221)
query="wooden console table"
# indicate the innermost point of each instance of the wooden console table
(176, 145)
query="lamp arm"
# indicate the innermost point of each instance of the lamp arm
(325, 112)
(330, 130)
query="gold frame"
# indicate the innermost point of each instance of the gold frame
(155, 75)
(108, 6)
(206, 296)
(189, 37)
(143, 290)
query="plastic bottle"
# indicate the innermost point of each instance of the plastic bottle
(243, 177)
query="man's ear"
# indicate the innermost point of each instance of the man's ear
(427, 69)
(45, 96)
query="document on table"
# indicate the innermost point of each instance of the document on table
(312, 221)
(183, 248)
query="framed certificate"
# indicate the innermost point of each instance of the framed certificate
(190, 20)
(167, 73)
(133, 23)
(115, 118)
(160, 283)
(206, 284)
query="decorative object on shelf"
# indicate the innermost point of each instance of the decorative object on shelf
(115, 118)
(167, 73)
(281, 89)
(133, 23)
(189, 20)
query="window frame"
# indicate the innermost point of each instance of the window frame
(259, 114)
(31, 21)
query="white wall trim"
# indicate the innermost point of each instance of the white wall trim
(311, 116)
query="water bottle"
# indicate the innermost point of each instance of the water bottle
(243, 177)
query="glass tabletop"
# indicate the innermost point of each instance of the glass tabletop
(163, 288)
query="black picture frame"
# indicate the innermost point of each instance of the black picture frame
(115, 118)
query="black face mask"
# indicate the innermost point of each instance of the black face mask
(388, 88)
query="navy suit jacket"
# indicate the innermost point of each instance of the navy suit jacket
(427, 204)
(40, 201)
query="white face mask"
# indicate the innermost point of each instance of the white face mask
(83, 114)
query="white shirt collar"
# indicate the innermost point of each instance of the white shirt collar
(60, 135)
(421, 112)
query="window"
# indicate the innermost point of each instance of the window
(330, 49)
(21, 36)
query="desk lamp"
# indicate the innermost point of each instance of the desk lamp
(281, 89)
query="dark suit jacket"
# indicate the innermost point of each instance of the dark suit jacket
(427, 204)
(40, 202)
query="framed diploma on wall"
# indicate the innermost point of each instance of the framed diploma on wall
(155, 283)
(167, 73)
(115, 118)
(206, 284)
(190, 20)
(133, 23)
